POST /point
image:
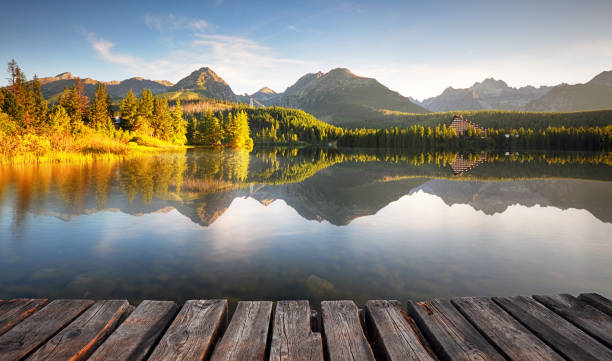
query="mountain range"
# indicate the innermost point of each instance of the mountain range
(488, 94)
(341, 97)
(343, 192)
(52, 87)
(593, 95)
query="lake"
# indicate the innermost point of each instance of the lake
(307, 224)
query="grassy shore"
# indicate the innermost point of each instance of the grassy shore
(83, 147)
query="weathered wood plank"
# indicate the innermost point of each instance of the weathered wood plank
(194, 332)
(32, 332)
(560, 334)
(343, 333)
(137, 335)
(14, 311)
(587, 318)
(503, 331)
(395, 333)
(246, 336)
(450, 334)
(598, 301)
(79, 339)
(292, 338)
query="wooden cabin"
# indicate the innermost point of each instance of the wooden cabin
(462, 125)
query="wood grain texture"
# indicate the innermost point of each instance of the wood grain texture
(394, 332)
(246, 336)
(450, 334)
(343, 333)
(14, 311)
(35, 330)
(560, 334)
(194, 332)
(80, 338)
(503, 331)
(292, 338)
(138, 334)
(598, 301)
(584, 316)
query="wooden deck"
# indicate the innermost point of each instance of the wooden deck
(560, 327)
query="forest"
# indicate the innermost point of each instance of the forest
(281, 126)
(31, 129)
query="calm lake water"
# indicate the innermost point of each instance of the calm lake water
(307, 224)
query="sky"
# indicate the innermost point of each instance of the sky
(417, 48)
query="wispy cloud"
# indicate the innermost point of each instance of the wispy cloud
(105, 49)
(172, 22)
(244, 63)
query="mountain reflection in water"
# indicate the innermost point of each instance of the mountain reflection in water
(240, 225)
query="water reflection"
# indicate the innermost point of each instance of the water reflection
(266, 225)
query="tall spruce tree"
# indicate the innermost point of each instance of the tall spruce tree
(129, 112)
(39, 104)
(146, 107)
(17, 87)
(237, 131)
(162, 119)
(179, 126)
(210, 131)
(99, 116)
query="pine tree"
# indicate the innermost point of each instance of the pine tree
(129, 112)
(80, 99)
(72, 102)
(209, 130)
(237, 131)
(179, 126)
(145, 112)
(162, 119)
(99, 116)
(39, 104)
(17, 87)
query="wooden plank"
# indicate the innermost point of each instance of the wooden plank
(503, 331)
(395, 334)
(449, 333)
(560, 334)
(138, 334)
(194, 332)
(247, 333)
(343, 333)
(32, 332)
(598, 301)
(293, 339)
(79, 339)
(586, 317)
(14, 311)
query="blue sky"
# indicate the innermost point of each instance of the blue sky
(417, 48)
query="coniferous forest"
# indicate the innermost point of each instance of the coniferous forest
(33, 128)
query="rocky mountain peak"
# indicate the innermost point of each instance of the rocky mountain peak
(206, 82)
(64, 75)
(603, 78)
(266, 90)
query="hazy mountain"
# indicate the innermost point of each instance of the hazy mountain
(203, 82)
(496, 197)
(264, 94)
(488, 94)
(52, 87)
(593, 95)
(340, 96)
